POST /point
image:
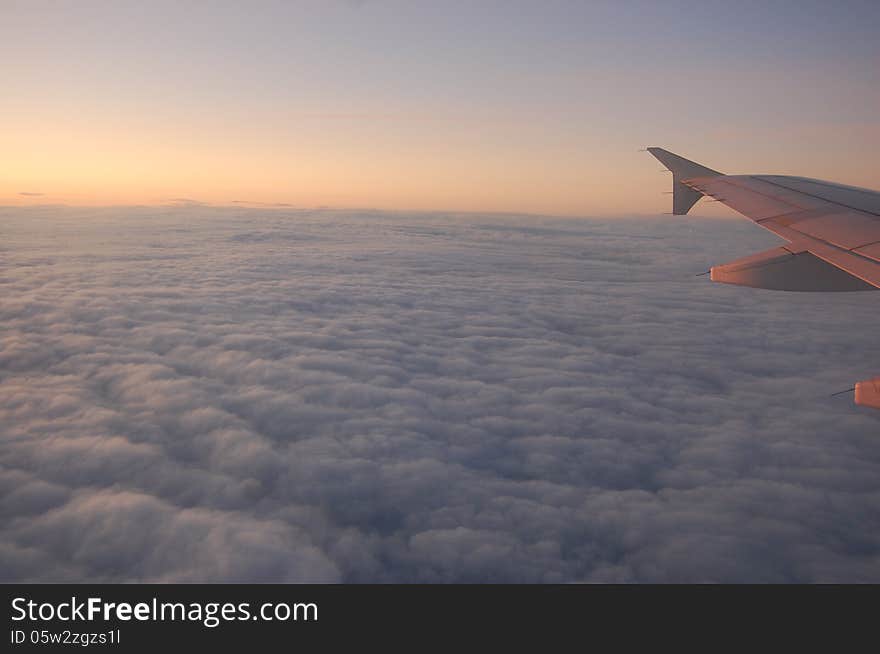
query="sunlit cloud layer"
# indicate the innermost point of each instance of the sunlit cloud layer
(202, 394)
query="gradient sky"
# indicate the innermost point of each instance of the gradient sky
(487, 106)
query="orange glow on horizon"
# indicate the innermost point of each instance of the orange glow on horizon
(316, 166)
(315, 108)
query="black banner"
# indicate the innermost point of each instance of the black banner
(136, 617)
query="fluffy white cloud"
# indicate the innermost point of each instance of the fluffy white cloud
(205, 394)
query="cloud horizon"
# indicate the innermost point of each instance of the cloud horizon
(194, 394)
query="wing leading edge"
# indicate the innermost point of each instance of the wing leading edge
(833, 232)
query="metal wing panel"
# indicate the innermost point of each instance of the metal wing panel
(871, 251)
(752, 198)
(852, 197)
(843, 237)
(848, 230)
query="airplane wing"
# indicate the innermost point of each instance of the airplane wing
(833, 233)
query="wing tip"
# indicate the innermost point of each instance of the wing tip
(681, 168)
(683, 197)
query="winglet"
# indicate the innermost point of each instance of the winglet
(683, 197)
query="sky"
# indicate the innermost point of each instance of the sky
(252, 395)
(515, 106)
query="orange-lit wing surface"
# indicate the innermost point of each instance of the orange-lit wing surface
(833, 232)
